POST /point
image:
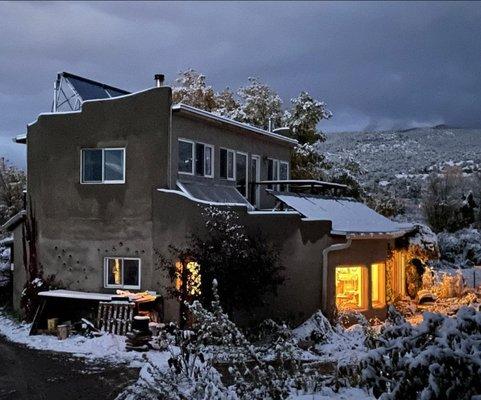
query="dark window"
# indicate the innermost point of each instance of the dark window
(103, 165)
(92, 165)
(186, 155)
(223, 163)
(226, 164)
(199, 159)
(241, 173)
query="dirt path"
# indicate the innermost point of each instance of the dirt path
(33, 374)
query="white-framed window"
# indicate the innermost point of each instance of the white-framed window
(102, 165)
(272, 171)
(122, 272)
(204, 160)
(241, 172)
(185, 157)
(255, 176)
(227, 164)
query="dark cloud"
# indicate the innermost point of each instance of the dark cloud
(377, 65)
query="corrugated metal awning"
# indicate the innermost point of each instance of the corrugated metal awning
(348, 216)
(215, 194)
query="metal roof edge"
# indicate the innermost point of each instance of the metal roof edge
(206, 114)
(194, 199)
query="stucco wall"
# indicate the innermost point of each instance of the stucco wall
(223, 135)
(19, 274)
(301, 243)
(80, 224)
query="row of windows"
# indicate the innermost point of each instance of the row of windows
(198, 159)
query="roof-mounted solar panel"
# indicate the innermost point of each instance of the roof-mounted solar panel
(72, 90)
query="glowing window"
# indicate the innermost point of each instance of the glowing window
(350, 288)
(122, 272)
(378, 285)
(190, 275)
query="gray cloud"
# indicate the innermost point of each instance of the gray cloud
(377, 65)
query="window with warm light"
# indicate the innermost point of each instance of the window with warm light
(190, 274)
(351, 287)
(121, 272)
(378, 285)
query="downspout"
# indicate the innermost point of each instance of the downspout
(325, 265)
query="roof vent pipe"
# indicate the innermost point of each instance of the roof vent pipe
(159, 80)
(271, 125)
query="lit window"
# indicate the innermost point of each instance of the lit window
(122, 272)
(351, 288)
(186, 157)
(378, 285)
(103, 166)
(241, 173)
(190, 275)
(227, 164)
(204, 160)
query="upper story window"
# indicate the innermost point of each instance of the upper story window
(122, 272)
(227, 164)
(103, 165)
(186, 157)
(277, 170)
(204, 160)
(241, 172)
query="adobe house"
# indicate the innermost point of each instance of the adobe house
(114, 177)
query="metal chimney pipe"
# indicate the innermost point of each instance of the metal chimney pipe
(270, 124)
(159, 79)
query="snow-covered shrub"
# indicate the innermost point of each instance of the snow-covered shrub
(461, 248)
(439, 359)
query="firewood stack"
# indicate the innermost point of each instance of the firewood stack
(138, 339)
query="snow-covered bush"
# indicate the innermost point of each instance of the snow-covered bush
(438, 359)
(461, 248)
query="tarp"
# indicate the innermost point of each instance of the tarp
(347, 215)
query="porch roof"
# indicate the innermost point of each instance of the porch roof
(348, 216)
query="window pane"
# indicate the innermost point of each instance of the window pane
(114, 165)
(199, 159)
(230, 164)
(185, 156)
(378, 285)
(131, 273)
(92, 165)
(283, 171)
(223, 163)
(114, 271)
(241, 173)
(270, 169)
(350, 288)
(254, 189)
(208, 161)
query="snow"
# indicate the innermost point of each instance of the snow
(327, 393)
(347, 215)
(108, 347)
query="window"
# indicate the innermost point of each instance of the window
(272, 171)
(378, 285)
(103, 166)
(255, 176)
(227, 164)
(204, 160)
(186, 157)
(122, 272)
(351, 288)
(283, 174)
(188, 278)
(241, 173)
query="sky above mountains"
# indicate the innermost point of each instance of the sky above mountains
(377, 65)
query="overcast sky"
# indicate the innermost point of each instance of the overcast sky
(377, 65)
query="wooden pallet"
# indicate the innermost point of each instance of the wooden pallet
(115, 317)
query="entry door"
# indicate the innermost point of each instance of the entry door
(255, 177)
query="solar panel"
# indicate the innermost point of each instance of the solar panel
(88, 89)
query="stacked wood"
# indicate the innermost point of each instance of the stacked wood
(138, 339)
(115, 317)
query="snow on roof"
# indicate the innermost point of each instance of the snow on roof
(71, 294)
(208, 115)
(348, 216)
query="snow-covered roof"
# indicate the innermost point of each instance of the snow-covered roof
(71, 294)
(348, 216)
(205, 114)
